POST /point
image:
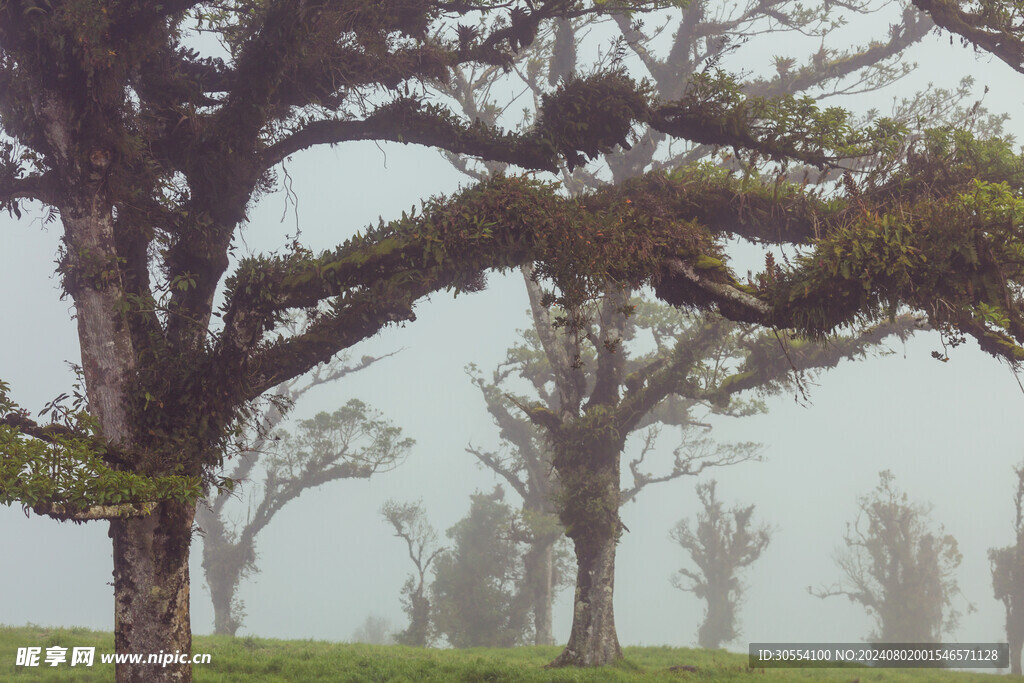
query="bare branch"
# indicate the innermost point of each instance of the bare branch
(40, 187)
(498, 466)
(409, 121)
(1001, 40)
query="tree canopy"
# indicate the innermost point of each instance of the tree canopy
(900, 568)
(721, 544)
(353, 442)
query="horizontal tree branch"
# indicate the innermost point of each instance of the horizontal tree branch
(95, 512)
(745, 306)
(51, 433)
(869, 257)
(1005, 42)
(363, 317)
(772, 356)
(914, 27)
(41, 187)
(410, 121)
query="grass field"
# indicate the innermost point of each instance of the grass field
(259, 659)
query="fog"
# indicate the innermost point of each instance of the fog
(950, 432)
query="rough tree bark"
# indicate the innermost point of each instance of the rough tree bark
(151, 591)
(590, 473)
(150, 553)
(538, 566)
(151, 579)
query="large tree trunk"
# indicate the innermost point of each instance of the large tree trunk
(224, 563)
(151, 581)
(589, 509)
(718, 626)
(1015, 636)
(539, 567)
(151, 593)
(593, 640)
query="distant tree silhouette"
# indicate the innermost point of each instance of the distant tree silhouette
(479, 594)
(275, 467)
(411, 525)
(899, 569)
(375, 630)
(721, 544)
(1008, 579)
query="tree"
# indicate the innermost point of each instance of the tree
(899, 569)
(477, 592)
(151, 153)
(410, 523)
(589, 393)
(353, 442)
(1008, 579)
(722, 544)
(526, 461)
(375, 630)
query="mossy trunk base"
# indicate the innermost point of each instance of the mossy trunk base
(593, 640)
(151, 592)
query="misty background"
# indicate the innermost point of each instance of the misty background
(951, 434)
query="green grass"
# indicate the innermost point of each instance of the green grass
(261, 659)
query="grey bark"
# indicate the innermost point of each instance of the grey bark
(589, 509)
(151, 592)
(539, 568)
(593, 640)
(151, 580)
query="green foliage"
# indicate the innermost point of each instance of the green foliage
(11, 169)
(714, 110)
(956, 255)
(355, 439)
(900, 569)
(721, 544)
(578, 244)
(477, 585)
(592, 114)
(952, 159)
(67, 472)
